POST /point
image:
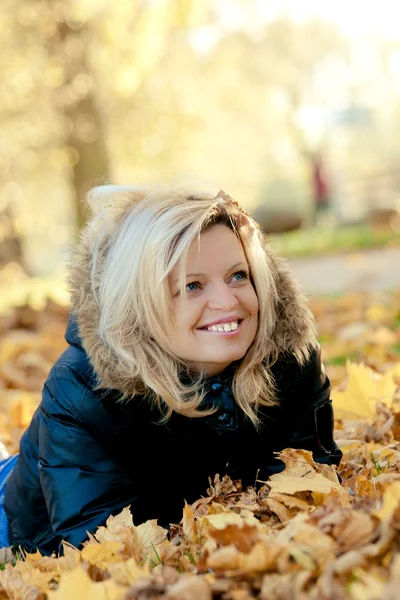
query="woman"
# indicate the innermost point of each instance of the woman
(191, 352)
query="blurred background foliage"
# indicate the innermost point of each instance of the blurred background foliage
(285, 105)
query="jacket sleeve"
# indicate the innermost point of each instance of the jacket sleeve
(82, 484)
(308, 413)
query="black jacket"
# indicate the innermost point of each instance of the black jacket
(86, 455)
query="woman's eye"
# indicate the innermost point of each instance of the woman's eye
(240, 276)
(192, 287)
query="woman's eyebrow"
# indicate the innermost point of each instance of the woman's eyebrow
(241, 262)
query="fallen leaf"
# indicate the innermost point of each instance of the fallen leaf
(225, 558)
(190, 527)
(102, 555)
(149, 535)
(128, 572)
(189, 588)
(221, 520)
(77, 584)
(262, 557)
(243, 537)
(292, 484)
(364, 389)
(390, 502)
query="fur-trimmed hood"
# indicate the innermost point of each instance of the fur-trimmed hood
(294, 329)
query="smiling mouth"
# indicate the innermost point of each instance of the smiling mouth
(223, 327)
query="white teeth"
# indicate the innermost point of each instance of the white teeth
(224, 327)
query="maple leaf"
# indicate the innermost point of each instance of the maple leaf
(24, 582)
(364, 389)
(302, 474)
(303, 535)
(77, 584)
(149, 535)
(128, 572)
(102, 555)
(115, 525)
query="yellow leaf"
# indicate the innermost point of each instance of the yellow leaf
(34, 559)
(366, 586)
(222, 520)
(117, 528)
(379, 313)
(262, 557)
(128, 571)
(365, 388)
(101, 555)
(149, 534)
(77, 584)
(18, 585)
(303, 557)
(33, 577)
(395, 372)
(292, 484)
(120, 521)
(70, 560)
(190, 527)
(391, 499)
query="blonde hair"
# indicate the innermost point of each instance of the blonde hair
(137, 236)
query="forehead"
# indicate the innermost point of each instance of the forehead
(216, 249)
(217, 244)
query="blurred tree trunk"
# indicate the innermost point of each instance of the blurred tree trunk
(10, 243)
(84, 136)
(84, 133)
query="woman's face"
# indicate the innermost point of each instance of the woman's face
(216, 321)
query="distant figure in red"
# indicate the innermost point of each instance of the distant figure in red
(321, 191)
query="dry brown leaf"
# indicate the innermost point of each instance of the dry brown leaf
(326, 540)
(190, 588)
(279, 509)
(291, 484)
(290, 501)
(356, 529)
(114, 526)
(283, 587)
(189, 525)
(149, 535)
(225, 558)
(221, 520)
(243, 537)
(262, 557)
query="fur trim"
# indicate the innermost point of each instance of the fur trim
(294, 331)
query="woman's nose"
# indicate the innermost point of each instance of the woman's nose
(222, 298)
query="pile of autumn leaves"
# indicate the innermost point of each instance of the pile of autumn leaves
(301, 535)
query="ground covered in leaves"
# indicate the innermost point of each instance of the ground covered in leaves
(301, 535)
